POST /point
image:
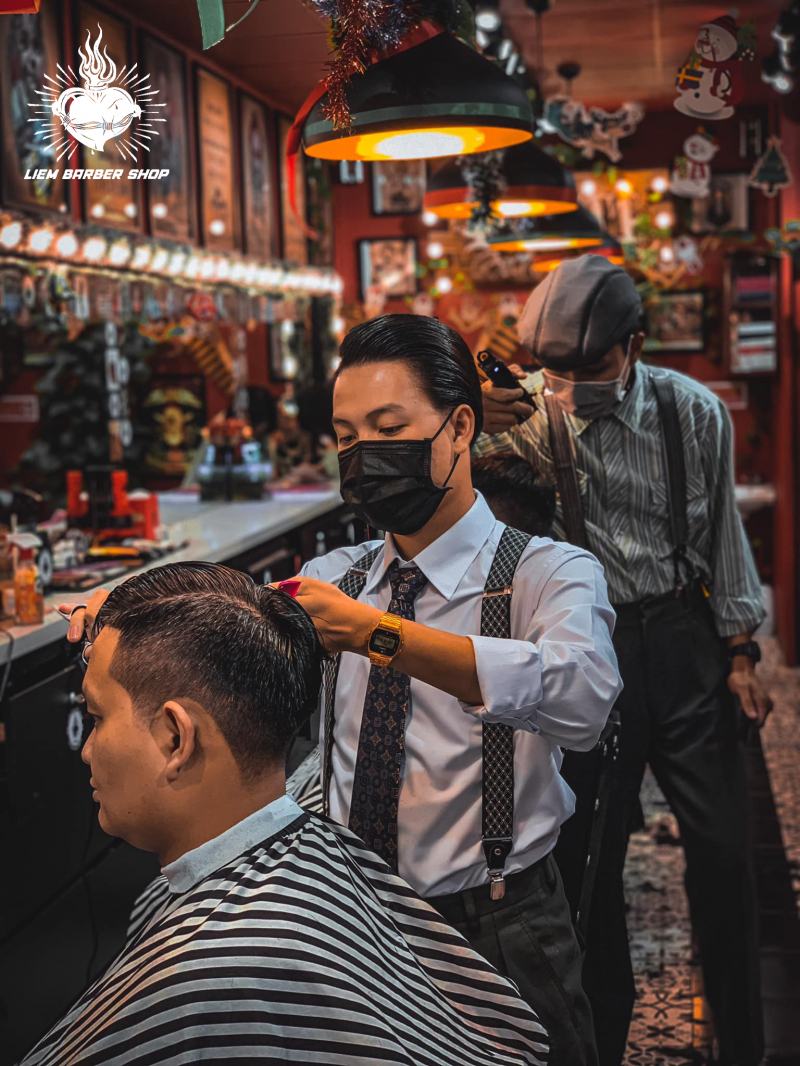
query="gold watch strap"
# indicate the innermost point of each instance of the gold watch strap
(393, 623)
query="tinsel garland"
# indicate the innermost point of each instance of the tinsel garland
(364, 30)
(484, 177)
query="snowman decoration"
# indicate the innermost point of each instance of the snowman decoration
(691, 175)
(710, 82)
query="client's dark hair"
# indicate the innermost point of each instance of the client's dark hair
(514, 492)
(247, 653)
(438, 356)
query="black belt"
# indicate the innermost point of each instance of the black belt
(693, 594)
(459, 907)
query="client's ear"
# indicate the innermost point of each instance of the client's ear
(177, 737)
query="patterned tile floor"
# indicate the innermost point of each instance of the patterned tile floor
(670, 1025)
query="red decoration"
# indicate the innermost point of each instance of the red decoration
(20, 7)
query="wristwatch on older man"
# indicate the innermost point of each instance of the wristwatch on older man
(749, 648)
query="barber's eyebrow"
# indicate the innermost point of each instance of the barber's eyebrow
(384, 409)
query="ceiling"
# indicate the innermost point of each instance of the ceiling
(628, 49)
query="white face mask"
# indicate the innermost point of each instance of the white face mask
(588, 399)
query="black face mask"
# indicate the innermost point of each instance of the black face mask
(389, 484)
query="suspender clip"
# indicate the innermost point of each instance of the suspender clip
(497, 885)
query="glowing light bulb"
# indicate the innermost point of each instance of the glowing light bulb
(98, 210)
(216, 226)
(444, 285)
(666, 254)
(192, 268)
(588, 187)
(663, 220)
(131, 210)
(223, 270)
(41, 239)
(208, 267)
(624, 187)
(67, 245)
(513, 208)
(119, 253)
(435, 250)
(420, 144)
(430, 218)
(176, 262)
(160, 210)
(11, 234)
(94, 248)
(160, 259)
(659, 184)
(337, 324)
(141, 257)
(487, 19)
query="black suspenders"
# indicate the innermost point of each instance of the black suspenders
(498, 740)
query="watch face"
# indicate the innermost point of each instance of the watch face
(384, 642)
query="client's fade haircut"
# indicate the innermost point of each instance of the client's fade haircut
(247, 653)
(514, 492)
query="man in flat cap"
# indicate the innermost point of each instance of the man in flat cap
(642, 460)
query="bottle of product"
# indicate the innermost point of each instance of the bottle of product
(28, 594)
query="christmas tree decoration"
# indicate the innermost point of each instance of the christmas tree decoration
(591, 128)
(691, 174)
(522, 181)
(688, 254)
(772, 172)
(710, 82)
(578, 229)
(407, 90)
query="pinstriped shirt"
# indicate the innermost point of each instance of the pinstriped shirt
(622, 473)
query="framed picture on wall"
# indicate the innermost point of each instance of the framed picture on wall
(257, 190)
(294, 242)
(29, 52)
(725, 207)
(108, 201)
(171, 203)
(675, 322)
(216, 149)
(390, 264)
(398, 187)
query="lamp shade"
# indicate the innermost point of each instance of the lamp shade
(610, 249)
(438, 98)
(533, 183)
(552, 233)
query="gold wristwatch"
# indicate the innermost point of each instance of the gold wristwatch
(385, 640)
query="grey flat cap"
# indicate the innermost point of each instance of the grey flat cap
(579, 312)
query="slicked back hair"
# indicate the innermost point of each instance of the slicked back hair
(248, 654)
(435, 353)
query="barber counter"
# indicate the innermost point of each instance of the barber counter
(67, 888)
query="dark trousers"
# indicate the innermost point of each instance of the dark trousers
(677, 715)
(528, 936)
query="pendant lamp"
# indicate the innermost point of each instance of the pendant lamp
(438, 98)
(610, 249)
(552, 233)
(533, 183)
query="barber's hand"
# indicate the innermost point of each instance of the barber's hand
(342, 623)
(82, 619)
(746, 685)
(502, 408)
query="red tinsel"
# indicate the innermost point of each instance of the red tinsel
(353, 30)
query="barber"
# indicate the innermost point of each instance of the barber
(420, 687)
(642, 458)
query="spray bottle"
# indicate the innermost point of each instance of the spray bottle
(28, 594)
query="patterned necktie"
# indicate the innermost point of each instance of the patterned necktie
(381, 744)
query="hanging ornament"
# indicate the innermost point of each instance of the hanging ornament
(710, 82)
(484, 178)
(691, 174)
(687, 254)
(592, 129)
(772, 172)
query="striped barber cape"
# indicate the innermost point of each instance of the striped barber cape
(302, 947)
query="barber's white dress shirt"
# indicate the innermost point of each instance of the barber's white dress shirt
(555, 682)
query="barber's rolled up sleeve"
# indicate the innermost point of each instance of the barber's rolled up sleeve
(562, 679)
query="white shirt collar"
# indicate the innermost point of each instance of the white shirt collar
(444, 562)
(194, 866)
